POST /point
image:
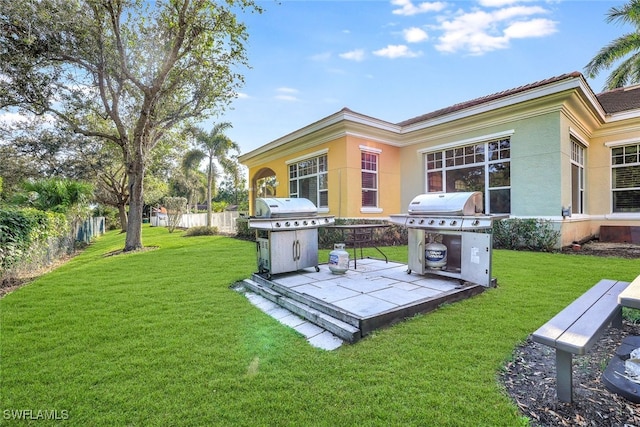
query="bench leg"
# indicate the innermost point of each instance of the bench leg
(617, 320)
(564, 376)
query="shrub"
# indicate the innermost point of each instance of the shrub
(202, 230)
(530, 234)
(176, 206)
(242, 228)
(25, 236)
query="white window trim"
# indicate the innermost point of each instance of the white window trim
(576, 135)
(370, 210)
(469, 141)
(612, 214)
(376, 152)
(614, 144)
(307, 156)
(370, 149)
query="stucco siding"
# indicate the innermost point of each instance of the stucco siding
(535, 166)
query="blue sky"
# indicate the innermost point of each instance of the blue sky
(397, 59)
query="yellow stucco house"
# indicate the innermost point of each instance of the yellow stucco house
(551, 149)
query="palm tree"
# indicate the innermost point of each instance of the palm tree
(628, 72)
(191, 176)
(216, 145)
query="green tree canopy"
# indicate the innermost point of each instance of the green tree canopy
(625, 50)
(123, 71)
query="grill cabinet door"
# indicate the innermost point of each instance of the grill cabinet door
(307, 248)
(416, 242)
(476, 258)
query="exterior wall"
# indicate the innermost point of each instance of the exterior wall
(540, 126)
(344, 176)
(535, 161)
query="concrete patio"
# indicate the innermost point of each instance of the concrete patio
(330, 309)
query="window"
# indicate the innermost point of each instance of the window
(577, 177)
(369, 162)
(625, 178)
(484, 167)
(308, 179)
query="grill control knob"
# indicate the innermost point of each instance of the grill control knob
(296, 223)
(304, 222)
(287, 224)
(411, 221)
(422, 221)
(432, 221)
(476, 222)
(442, 222)
(454, 222)
(278, 225)
(313, 222)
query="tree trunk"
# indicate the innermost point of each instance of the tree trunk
(136, 204)
(209, 182)
(122, 214)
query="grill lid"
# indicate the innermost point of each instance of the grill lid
(447, 204)
(273, 207)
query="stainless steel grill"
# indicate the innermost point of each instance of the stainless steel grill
(445, 211)
(287, 234)
(454, 220)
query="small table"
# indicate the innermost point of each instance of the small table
(630, 297)
(358, 235)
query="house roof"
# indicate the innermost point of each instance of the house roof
(488, 98)
(621, 99)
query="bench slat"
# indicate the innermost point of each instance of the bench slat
(549, 333)
(586, 330)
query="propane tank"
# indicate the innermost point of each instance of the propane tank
(338, 259)
(435, 254)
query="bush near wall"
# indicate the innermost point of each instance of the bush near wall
(242, 229)
(529, 234)
(25, 237)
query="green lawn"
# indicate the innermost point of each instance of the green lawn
(158, 338)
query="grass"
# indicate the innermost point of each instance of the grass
(158, 338)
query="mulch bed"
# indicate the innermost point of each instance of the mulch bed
(530, 377)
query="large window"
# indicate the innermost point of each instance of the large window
(625, 178)
(308, 179)
(484, 167)
(577, 177)
(369, 162)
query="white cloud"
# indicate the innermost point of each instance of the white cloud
(407, 8)
(242, 95)
(480, 31)
(354, 55)
(287, 94)
(415, 35)
(397, 51)
(500, 3)
(533, 28)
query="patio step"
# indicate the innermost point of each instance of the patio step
(336, 326)
(309, 300)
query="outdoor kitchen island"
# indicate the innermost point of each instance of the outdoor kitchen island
(377, 293)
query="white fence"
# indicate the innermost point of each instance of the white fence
(225, 221)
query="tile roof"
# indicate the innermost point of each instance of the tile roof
(614, 101)
(488, 98)
(621, 99)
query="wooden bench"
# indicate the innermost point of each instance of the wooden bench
(576, 328)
